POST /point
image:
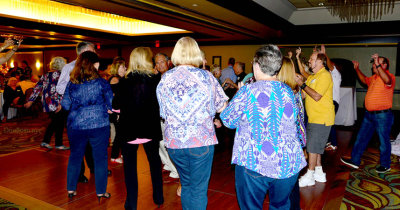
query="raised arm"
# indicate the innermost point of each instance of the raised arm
(382, 73)
(10, 53)
(360, 75)
(301, 68)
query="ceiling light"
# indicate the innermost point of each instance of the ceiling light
(321, 4)
(357, 11)
(195, 5)
(52, 12)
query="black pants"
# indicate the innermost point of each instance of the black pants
(129, 152)
(56, 126)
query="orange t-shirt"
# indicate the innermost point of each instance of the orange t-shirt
(379, 95)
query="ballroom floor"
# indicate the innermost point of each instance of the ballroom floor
(35, 178)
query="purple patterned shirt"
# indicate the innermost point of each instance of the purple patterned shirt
(189, 98)
(268, 137)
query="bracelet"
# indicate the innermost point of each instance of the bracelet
(378, 66)
(303, 86)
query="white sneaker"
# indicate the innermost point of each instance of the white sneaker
(319, 175)
(307, 179)
(117, 160)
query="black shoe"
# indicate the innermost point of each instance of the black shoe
(83, 179)
(105, 195)
(382, 170)
(109, 173)
(71, 194)
(349, 163)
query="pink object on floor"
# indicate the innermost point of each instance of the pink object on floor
(139, 141)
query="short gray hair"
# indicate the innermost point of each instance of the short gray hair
(269, 58)
(57, 63)
(81, 46)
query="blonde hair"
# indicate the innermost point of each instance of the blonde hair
(57, 63)
(287, 73)
(186, 52)
(118, 61)
(140, 61)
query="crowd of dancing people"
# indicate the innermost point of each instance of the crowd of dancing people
(280, 121)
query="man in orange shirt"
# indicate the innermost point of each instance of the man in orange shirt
(378, 115)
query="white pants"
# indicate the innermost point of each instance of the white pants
(168, 165)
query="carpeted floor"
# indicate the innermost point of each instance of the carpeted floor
(7, 205)
(367, 189)
(24, 133)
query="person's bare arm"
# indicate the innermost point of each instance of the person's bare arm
(360, 75)
(311, 92)
(382, 73)
(11, 52)
(301, 68)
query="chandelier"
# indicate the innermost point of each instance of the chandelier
(360, 10)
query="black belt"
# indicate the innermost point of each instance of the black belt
(380, 111)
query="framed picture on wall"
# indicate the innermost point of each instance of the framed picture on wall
(216, 60)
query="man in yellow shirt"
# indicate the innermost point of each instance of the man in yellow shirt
(321, 115)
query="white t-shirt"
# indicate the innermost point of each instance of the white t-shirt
(337, 79)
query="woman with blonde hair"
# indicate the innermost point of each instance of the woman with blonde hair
(189, 97)
(140, 124)
(88, 98)
(50, 101)
(117, 71)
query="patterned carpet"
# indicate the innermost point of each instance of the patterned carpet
(367, 189)
(21, 134)
(7, 205)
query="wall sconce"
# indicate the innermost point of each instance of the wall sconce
(12, 63)
(38, 64)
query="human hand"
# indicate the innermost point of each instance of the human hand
(58, 108)
(229, 81)
(217, 123)
(28, 104)
(375, 57)
(240, 85)
(356, 64)
(299, 79)
(8, 42)
(290, 54)
(322, 50)
(298, 52)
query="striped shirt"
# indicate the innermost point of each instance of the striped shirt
(379, 95)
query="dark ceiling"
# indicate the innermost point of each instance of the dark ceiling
(212, 22)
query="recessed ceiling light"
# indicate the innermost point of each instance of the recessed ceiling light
(321, 4)
(195, 5)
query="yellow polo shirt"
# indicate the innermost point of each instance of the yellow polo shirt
(322, 111)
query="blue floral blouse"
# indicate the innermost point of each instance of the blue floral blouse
(268, 137)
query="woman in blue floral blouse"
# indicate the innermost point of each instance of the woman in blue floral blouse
(267, 148)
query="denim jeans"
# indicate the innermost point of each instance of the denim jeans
(382, 124)
(98, 138)
(251, 188)
(194, 168)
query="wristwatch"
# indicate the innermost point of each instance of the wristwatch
(303, 86)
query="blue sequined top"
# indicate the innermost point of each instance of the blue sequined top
(88, 104)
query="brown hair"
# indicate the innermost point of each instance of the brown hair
(84, 69)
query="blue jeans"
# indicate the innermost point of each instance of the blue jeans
(98, 139)
(251, 188)
(382, 124)
(194, 168)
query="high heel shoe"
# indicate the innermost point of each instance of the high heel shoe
(105, 195)
(71, 194)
